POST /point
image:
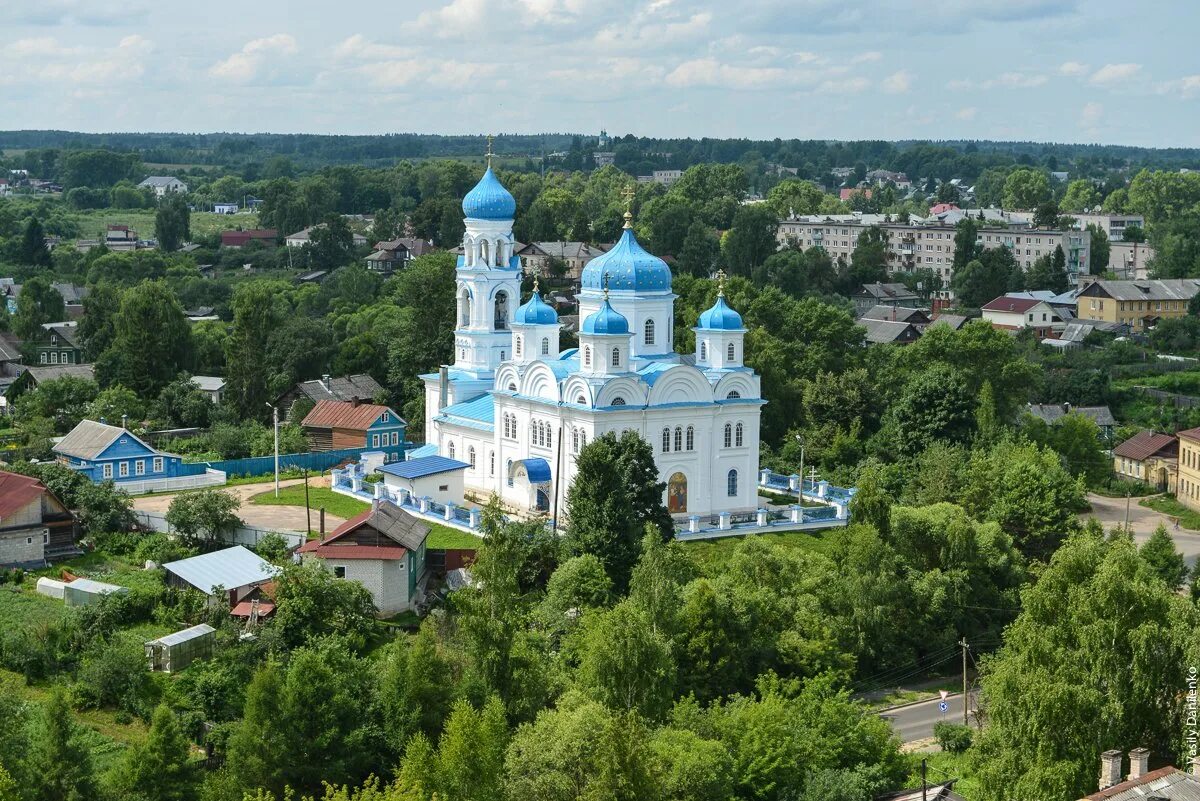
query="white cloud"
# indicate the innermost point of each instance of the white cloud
(863, 58)
(966, 114)
(1186, 87)
(1015, 80)
(1073, 69)
(1091, 114)
(245, 65)
(1114, 73)
(45, 59)
(960, 84)
(360, 48)
(898, 82)
(710, 72)
(458, 18)
(849, 85)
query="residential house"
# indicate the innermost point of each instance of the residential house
(897, 314)
(395, 254)
(31, 377)
(955, 321)
(231, 574)
(120, 238)
(57, 343)
(35, 526)
(1187, 490)
(887, 331)
(383, 549)
(1015, 314)
(332, 425)
(1153, 458)
(541, 257)
(359, 387)
(302, 238)
(103, 452)
(1112, 224)
(73, 296)
(1053, 413)
(436, 477)
(1167, 783)
(211, 385)
(603, 158)
(1138, 304)
(240, 238)
(880, 294)
(225, 208)
(847, 193)
(162, 185)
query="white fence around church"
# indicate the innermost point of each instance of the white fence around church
(833, 511)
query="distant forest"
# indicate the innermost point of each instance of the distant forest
(941, 160)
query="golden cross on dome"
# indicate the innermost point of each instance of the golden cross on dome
(607, 278)
(721, 283)
(536, 271)
(489, 150)
(629, 193)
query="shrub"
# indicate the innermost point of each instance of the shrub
(114, 674)
(274, 548)
(954, 738)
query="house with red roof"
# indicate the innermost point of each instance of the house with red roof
(333, 425)
(383, 549)
(35, 526)
(238, 239)
(1015, 314)
(1149, 456)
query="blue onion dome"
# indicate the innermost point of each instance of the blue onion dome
(489, 200)
(536, 311)
(629, 266)
(605, 320)
(720, 317)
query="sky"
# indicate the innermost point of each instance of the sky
(1045, 70)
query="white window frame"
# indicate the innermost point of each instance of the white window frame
(123, 469)
(157, 464)
(106, 470)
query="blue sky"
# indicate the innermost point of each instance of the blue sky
(1100, 71)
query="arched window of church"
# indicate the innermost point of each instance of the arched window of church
(666, 440)
(582, 439)
(491, 463)
(503, 355)
(728, 435)
(575, 440)
(738, 438)
(545, 346)
(650, 332)
(549, 436)
(517, 347)
(731, 483)
(508, 471)
(678, 438)
(464, 307)
(691, 438)
(512, 386)
(532, 433)
(733, 395)
(729, 352)
(618, 401)
(471, 456)
(450, 450)
(703, 350)
(501, 321)
(587, 356)
(616, 359)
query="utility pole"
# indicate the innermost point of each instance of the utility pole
(307, 508)
(800, 439)
(966, 698)
(924, 786)
(275, 420)
(1127, 493)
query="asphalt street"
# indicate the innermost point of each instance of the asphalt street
(915, 722)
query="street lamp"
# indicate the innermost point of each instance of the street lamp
(275, 420)
(800, 440)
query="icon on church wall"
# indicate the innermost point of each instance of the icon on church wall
(677, 494)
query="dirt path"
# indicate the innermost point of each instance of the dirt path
(290, 518)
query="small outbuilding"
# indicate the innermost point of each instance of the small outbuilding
(174, 652)
(237, 571)
(436, 477)
(51, 587)
(83, 592)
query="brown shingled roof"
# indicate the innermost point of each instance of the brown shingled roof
(344, 414)
(1145, 444)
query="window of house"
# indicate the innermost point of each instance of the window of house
(731, 483)
(395, 437)
(374, 440)
(385, 417)
(450, 450)
(42, 357)
(443, 487)
(29, 540)
(733, 395)
(123, 469)
(139, 467)
(339, 571)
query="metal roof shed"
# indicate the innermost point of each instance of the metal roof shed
(236, 569)
(82, 592)
(173, 652)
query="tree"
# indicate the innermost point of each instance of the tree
(699, 250)
(1081, 195)
(65, 401)
(1097, 659)
(9, 789)
(1166, 562)
(935, 405)
(58, 757)
(203, 516)
(1026, 188)
(624, 662)
(980, 281)
(255, 318)
(1133, 233)
(1046, 215)
(172, 222)
(794, 196)
(1176, 244)
(1100, 250)
(116, 403)
(158, 769)
(32, 249)
(966, 244)
(615, 495)
(152, 342)
(869, 261)
(331, 244)
(1048, 272)
(346, 608)
(39, 303)
(470, 757)
(578, 585)
(97, 329)
(416, 686)
(751, 239)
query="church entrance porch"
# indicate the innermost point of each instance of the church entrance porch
(528, 485)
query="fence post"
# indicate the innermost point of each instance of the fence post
(475, 515)
(694, 523)
(794, 483)
(797, 514)
(762, 517)
(449, 513)
(724, 523)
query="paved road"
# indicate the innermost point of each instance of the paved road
(290, 518)
(1111, 512)
(915, 722)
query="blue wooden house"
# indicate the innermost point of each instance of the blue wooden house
(103, 452)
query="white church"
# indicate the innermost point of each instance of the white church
(517, 410)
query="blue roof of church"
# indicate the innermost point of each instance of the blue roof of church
(605, 320)
(720, 317)
(629, 267)
(489, 200)
(482, 409)
(536, 312)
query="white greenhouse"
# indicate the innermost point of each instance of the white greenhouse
(174, 652)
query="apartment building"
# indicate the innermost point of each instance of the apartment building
(1130, 260)
(1138, 304)
(925, 244)
(1187, 485)
(1112, 224)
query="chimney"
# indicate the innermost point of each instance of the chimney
(1139, 763)
(124, 421)
(354, 402)
(103, 421)
(1110, 768)
(443, 386)
(325, 382)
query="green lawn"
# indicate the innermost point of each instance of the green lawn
(91, 223)
(335, 504)
(1169, 506)
(446, 538)
(710, 555)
